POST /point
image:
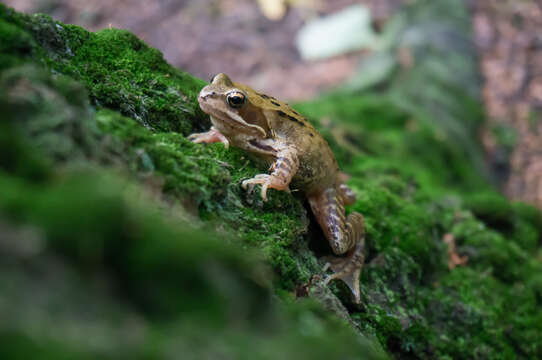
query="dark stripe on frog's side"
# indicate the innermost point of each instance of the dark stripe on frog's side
(256, 144)
(275, 103)
(290, 117)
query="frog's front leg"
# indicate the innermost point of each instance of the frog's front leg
(345, 235)
(282, 171)
(211, 136)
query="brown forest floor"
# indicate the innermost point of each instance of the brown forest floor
(205, 37)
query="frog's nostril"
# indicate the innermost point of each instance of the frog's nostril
(205, 95)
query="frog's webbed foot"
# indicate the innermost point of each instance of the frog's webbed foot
(267, 181)
(346, 269)
(210, 136)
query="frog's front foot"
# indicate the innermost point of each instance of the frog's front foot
(210, 136)
(267, 181)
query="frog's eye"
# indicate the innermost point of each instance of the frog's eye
(236, 99)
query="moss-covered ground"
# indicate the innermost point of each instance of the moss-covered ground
(122, 239)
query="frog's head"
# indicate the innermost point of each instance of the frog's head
(234, 105)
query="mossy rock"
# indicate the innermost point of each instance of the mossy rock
(158, 247)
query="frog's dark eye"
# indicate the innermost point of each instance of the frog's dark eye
(236, 99)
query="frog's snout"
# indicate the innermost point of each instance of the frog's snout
(205, 99)
(206, 93)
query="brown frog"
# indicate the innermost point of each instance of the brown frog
(297, 154)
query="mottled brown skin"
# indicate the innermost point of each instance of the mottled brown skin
(297, 155)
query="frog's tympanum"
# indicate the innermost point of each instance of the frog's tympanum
(297, 154)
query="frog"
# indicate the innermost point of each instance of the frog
(297, 156)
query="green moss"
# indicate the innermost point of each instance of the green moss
(119, 71)
(21, 346)
(145, 279)
(122, 73)
(188, 170)
(172, 278)
(476, 328)
(15, 45)
(498, 213)
(378, 133)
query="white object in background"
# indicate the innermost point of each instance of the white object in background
(346, 30)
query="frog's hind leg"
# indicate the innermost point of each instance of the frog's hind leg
(346, 235)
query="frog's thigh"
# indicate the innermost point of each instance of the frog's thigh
(343, 233)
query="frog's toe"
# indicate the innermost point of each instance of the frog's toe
(262, 179)
(200, 138)
(196, 138)
(267, 181)
(258, 179)
(264, 191)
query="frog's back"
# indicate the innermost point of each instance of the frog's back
(318, 168)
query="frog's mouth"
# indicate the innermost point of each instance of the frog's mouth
(230, 118)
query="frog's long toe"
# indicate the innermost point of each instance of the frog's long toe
(258, 179)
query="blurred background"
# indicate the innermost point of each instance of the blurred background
(252, 41)
(295, 49)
